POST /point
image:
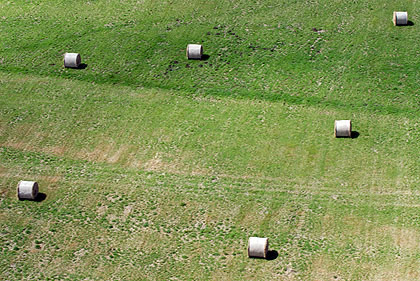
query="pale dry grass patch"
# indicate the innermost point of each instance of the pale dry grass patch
(178, 165)
(53, 179)
(406, 239)
(101, 210)
(100, 153)
(21, 145)
(122, 149)
(158, 164)
(397, 271)
(28, 136)
(144, 242)
(354, 225)
(22, 136)
(322, 269)
(58, 150)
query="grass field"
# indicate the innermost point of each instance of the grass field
(159, 168)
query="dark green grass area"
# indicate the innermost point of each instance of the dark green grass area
(336, 54)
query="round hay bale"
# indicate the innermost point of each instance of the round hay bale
(27, 190)
(400, 18)
(342, 128)
(194, 51)
(257, 247)
(72, 60)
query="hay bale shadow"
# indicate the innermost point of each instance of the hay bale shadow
(272, 255)
(354, 134)
(40, 197)
(82, 66)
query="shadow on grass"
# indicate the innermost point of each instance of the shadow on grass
(40, 197)
(205, 57)
(81, 66)
(409, 23)
(272, 255)
(354, 134)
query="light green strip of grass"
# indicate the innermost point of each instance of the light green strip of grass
(156, 130)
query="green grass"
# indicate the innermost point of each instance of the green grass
(159, 168)
(259, 50)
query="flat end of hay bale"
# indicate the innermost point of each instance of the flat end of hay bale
(258, 247)
(72, 60)
(342, 128)
(27, 190)
(194, 51)
(400, 18)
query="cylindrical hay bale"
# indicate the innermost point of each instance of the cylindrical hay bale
(27, 190)
(342, 128)
(257, 247)
(72, 60)
(194, 51)
(400, 18)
